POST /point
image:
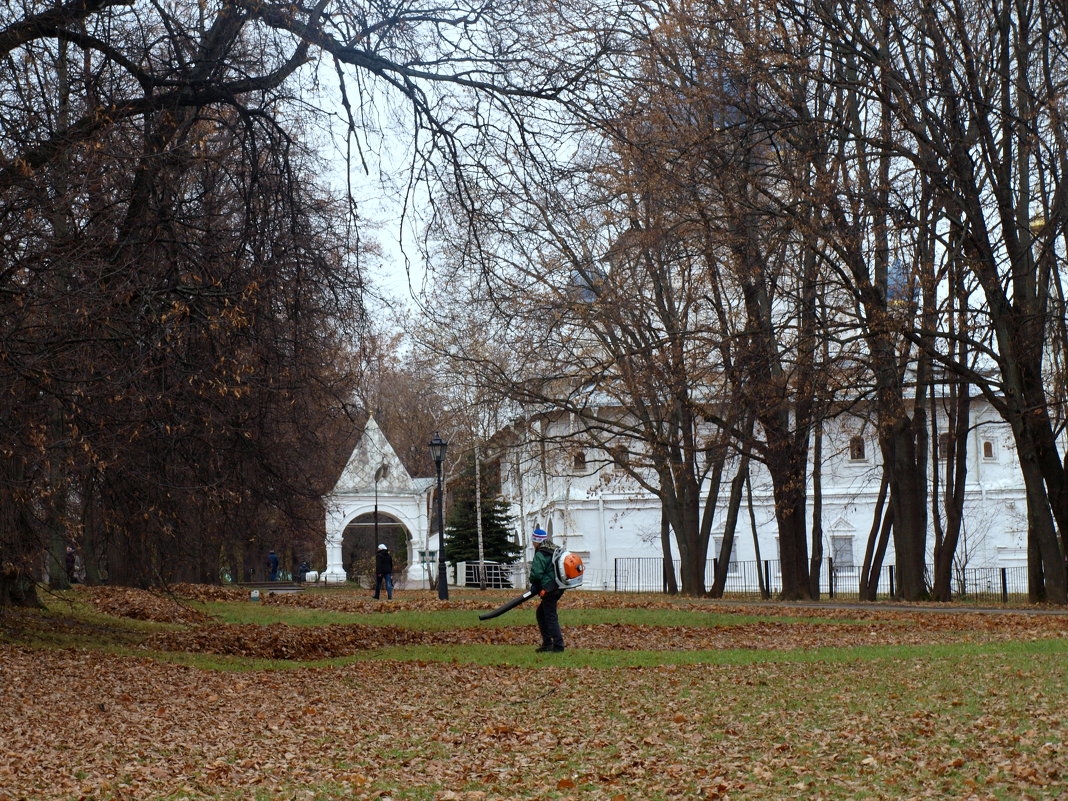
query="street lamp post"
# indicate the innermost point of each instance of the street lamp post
(437, 451)
(380, 473)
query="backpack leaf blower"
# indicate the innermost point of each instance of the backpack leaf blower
(512, 604)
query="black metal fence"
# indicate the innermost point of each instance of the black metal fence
(495, 575)
(744, 579)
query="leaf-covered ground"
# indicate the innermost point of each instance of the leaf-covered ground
(858, 627)
(987, 722)
(309, 643)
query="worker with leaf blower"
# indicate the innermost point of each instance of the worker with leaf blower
(543, 583)
(552, 570)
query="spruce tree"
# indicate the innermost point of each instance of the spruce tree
(461, 534)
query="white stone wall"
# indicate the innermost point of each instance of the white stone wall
(599, 513)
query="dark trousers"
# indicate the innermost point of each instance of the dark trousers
(548, 620)
(388, 579)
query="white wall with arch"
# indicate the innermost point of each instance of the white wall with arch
(374, 477)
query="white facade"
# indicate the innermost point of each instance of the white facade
(397, 496)
(596, 510)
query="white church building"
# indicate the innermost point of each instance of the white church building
(595, 510)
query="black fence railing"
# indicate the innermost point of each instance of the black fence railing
(983, 584)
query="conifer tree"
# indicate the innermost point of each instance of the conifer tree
(461, 534)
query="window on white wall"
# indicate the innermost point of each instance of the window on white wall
(857, 449)
(989, 451)
(943, 447)
(578, 462)
(492, 476)
(842, 552)
(717, 544)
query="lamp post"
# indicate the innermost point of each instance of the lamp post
(438, 447)
(380, 473)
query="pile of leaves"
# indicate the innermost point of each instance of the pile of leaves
(830, 627)
(159, 607)
(208, 592)
(281, 641)
(309, 643)
(473, 600)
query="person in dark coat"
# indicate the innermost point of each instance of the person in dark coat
(71, 565)
(383, 571)
(543, 583)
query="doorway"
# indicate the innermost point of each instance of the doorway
(359, 543)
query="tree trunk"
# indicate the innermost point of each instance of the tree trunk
(1046, 570)
(907, 499)
(1036, 447)
(765, 591)
(878, 538)
(478, 521)
(793, 559)
(20, 545)
(671, 584)
(786, 466)
(816, 561)
(132, 560)
(18, 589)
(956, 476)
(686, 522)
(729, 526)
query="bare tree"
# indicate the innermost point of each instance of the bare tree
(604, 336)
(972, 102)
(177, 286)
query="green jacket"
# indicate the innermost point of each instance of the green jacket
(542, 572)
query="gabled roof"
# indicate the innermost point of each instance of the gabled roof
(841, 525)
(373, 452)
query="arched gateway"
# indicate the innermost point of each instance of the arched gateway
(374, 476)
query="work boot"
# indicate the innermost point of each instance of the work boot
(556, 649)
(544, 647)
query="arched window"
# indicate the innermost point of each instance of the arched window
(578, 463)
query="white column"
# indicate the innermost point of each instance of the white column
(335, 528)
(418, 524)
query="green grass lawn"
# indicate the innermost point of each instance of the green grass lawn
(245, 612)
(97, 717)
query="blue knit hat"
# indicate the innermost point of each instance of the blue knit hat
(539, 536)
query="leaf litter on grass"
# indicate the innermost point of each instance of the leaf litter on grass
(847, 627)
(99, 726)
(83, 724)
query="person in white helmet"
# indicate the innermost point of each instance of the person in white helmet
(383, 571)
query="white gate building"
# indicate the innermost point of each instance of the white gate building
(375, 479)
